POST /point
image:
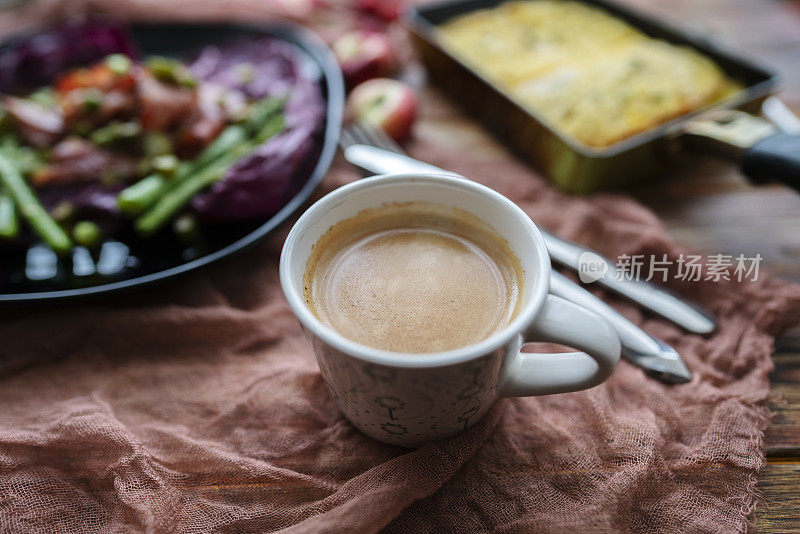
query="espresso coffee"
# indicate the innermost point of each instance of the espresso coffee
(413, 277)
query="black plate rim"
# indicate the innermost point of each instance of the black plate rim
(322, 54)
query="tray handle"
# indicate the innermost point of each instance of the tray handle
(775, 158)
(762, 151)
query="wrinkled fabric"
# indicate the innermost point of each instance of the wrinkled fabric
(197, 406)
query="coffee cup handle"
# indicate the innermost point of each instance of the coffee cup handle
(566, 323)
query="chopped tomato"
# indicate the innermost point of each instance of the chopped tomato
(99, 76)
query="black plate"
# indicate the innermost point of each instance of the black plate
(127, 262)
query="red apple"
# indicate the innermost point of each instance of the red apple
(387, 10)
(364, 55)
(386, 104)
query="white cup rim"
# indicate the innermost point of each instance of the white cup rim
(535, 299)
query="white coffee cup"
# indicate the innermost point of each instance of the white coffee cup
(411, 399)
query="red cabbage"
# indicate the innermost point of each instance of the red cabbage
(259, 185)
(90, 201)
(35, 61)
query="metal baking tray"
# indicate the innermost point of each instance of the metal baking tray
(571, 165)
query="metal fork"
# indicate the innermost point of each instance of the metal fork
(356, 133)
(373, 150)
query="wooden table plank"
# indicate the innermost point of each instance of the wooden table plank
(779, 481)
(707, 205)
(782, 437)
(781, 510)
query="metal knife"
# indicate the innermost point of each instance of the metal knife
(638, 347)
(645, 294)
(568, 254)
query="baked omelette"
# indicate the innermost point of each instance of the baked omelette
(583, 71)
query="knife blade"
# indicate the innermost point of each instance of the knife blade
(638, 347)
(645, 294)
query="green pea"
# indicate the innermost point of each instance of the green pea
(87, 234)
(120, 64)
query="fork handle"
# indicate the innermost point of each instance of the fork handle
(382, 161)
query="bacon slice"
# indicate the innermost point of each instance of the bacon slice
(163, 106)
(39, 125)
(75, 160)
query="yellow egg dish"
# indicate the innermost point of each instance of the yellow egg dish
(585, 72)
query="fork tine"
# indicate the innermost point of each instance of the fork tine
(379, 138)
(362, 134)
(387, 141)
(346, 137)
(355, 134)
(359, 133)
(375, 135)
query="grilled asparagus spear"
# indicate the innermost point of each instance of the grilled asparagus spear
(28, 205)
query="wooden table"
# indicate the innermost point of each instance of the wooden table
(708, 206)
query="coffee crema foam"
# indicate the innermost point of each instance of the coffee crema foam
(413, 277)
